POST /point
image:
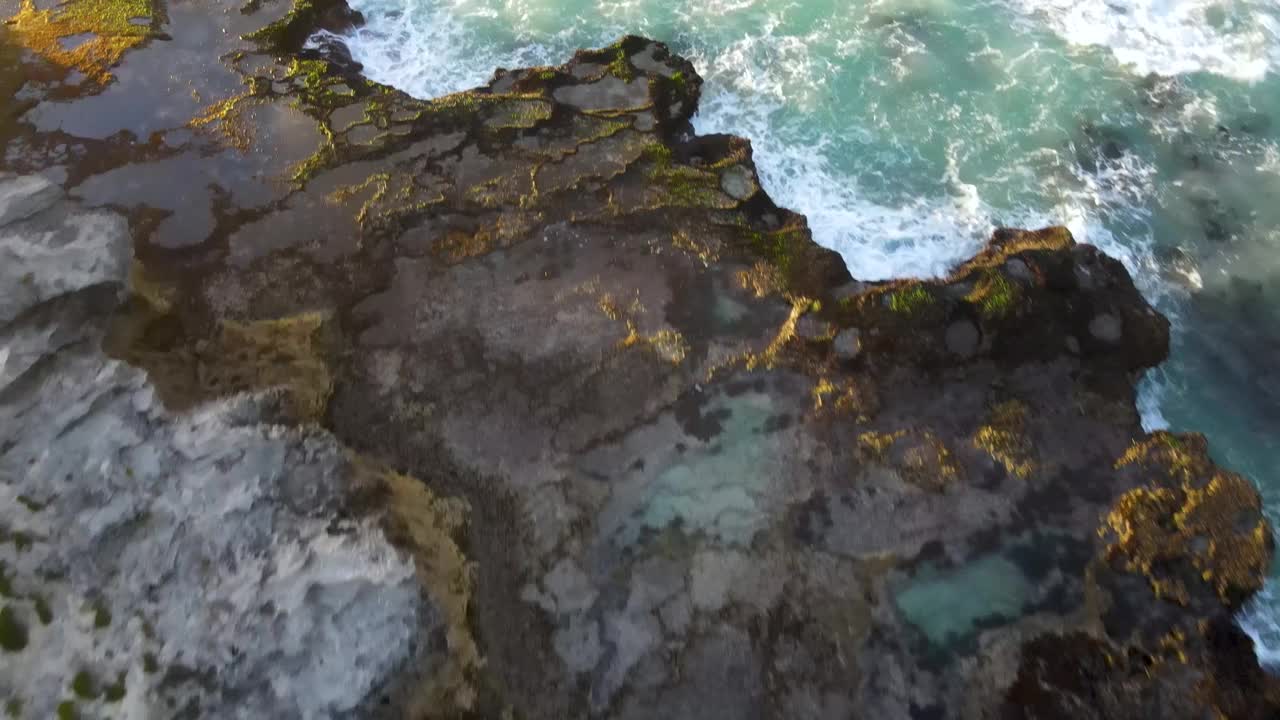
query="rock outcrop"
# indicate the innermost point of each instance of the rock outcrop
(207, 563)
(529, 402)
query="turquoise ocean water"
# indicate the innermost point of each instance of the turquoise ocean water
(907, 129)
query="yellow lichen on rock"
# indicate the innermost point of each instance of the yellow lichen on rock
(1004, 438)
(853, 396)
(768, 357)
(115, 26)
(762, 279)
(876, 444)
(1185, 456)
(1237, 553)
(928, 464)
(1190, 512)
(666, 343)
(227, 117)
(430, 529)
(288, 353)
(1053, 238)
(994, 295)
(158, 295)
(920, 457)
(699, 248)
(1136, 521)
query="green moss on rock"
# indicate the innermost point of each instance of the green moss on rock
(995, 296)
(83, 685)
(777, 248)
(13, 634)
(101, 616)
(911, 300)
(42, 610)
(30, 504)
(109, 23)
(289, 32)
(620, 66)
(116, 691)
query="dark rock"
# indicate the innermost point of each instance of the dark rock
(848, 344)
(963, 338)
(811, 327)
(1107, 328)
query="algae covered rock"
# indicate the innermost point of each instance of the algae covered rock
(1190, 527)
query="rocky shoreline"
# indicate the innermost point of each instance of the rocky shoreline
(317, 400)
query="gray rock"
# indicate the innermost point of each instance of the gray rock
(569, 588)
(848, 344)
(582, 71)
(963, 338)
(578, 645)
(46, 251)
(200, 541)
(811, 327)
(24, 196)
(606, 93)
(738, 183)
(850, 289)
(1018, 269)
(1084, 277)
(1072, 345)
(1106, 327)
(632, 637)
(646, 61)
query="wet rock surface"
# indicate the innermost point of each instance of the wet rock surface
(528, 402)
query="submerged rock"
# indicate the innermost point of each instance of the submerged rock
(651, 481)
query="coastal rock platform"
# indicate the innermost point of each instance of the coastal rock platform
(318, 400)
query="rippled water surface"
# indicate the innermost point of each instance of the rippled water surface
(907, 129)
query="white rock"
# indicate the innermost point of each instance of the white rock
(205, 537)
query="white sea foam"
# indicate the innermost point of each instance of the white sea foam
(923, 236)
(429, 49)
(1261, 622)
(1235, 38)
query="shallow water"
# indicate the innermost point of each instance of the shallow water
(907, 129)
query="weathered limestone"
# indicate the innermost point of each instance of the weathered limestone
(159, 563)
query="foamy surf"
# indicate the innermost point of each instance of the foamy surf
(1235, 38)
(923, 237)
(427, 50)
(1260, 621)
